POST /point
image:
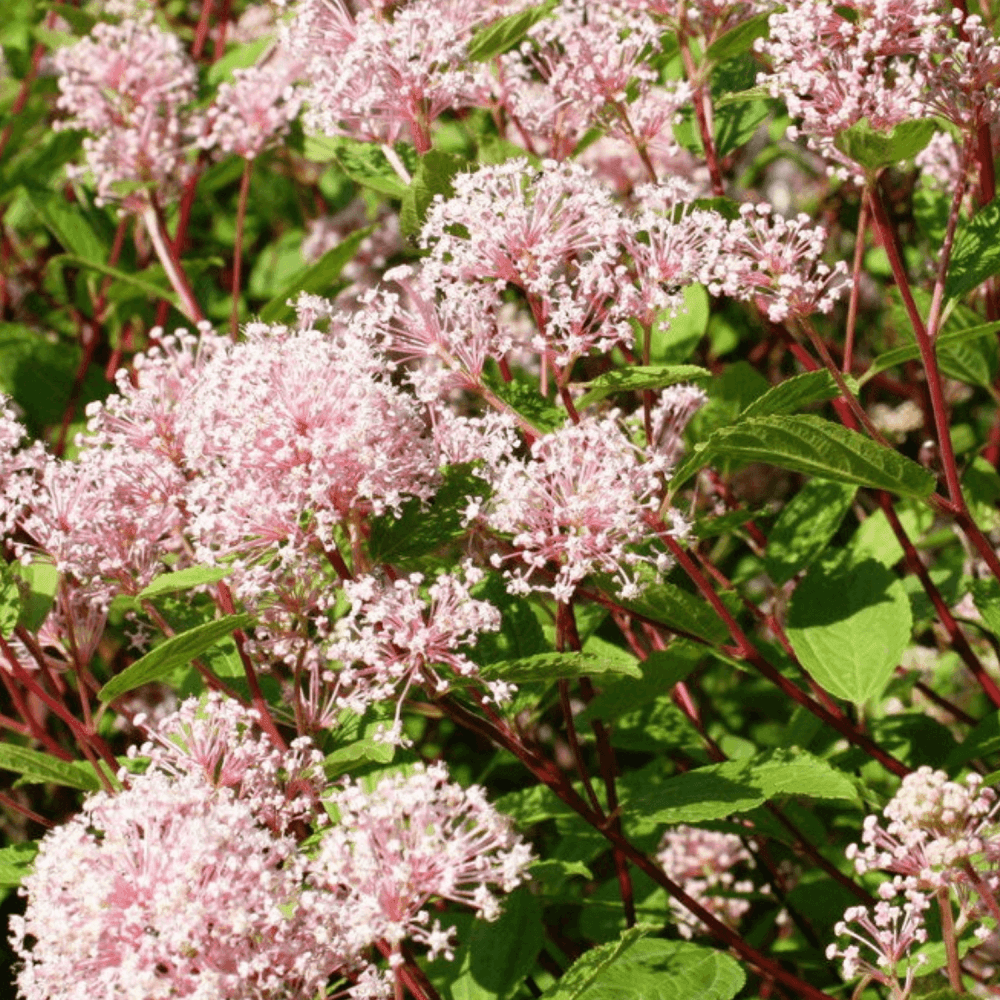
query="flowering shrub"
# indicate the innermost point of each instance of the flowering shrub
(499, 499)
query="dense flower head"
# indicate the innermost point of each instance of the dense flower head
(255, 109)
(417, 837)
(577, 69)
(17, 468)
(221, 741)
(577, 505)
(452, 333)
(777, 263)
(129, 85)
(394, 637)
(253, 452)
(884, 61)
(372, 76)
(585, 266)
(936, 827)
(701, 862)
(192, 880)
(670, 416)
(171, 888)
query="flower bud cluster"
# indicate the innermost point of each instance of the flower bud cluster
(936, 828)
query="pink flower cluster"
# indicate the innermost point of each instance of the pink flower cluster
(130, 84)
(393, 637)
(941, 836)
(414, 838)
(255, 109)
(375, 77)
(701, 862)
(881, 946)
(183, 885)
(577, 505)
(879, 60)
(936, 827)
(578, 69)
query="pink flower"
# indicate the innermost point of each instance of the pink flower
(887, 935)
(374, 77)
(394, 638)
(171, 888)
(701, 863)
(130, 84)
(776, 262)
(221, 742)
(936, 827)
(416, 838)
(255, 109)
(578, 505)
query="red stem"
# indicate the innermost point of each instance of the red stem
(259, 702)
(241, 211)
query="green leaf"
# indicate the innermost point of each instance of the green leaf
(815, 447)
(738, 40)
(640, 377)
(874, 149)
(501, 36)
(42, 768)
(68, 223)
(588, 967)
(677, 609)
(365, 163)
(38, 372)
(422, 528)
(674, 337)
(10, 601)
(737, 124)
(654, 969)
(849, 624)
(520, 634)
(239, 57)
(39, 593)
(795, 393)
(136, 281)
(344, 759)
(551, 873)
(177, 651)
(976, 253)
(983, 740)
(15, 863)
(530, 403)
(948, 339)
(532, 805)
(433, 177)
(661, 670)
(735, 786)
(742, 97)
(182, 579)
(553, 666)
(80, 21)
(806, 526)
(501, 953)
(317, 279)
(986, 597)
